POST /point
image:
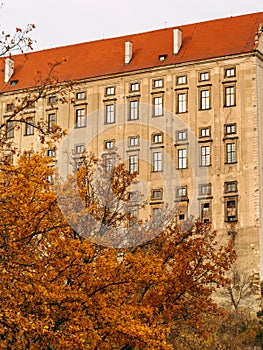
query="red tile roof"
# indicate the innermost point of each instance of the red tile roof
(220, 37)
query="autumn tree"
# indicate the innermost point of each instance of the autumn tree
(60, 290)
(46, 83)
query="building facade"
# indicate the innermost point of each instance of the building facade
(182, 106)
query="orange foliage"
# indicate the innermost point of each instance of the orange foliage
(59, 290)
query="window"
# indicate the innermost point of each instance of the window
(158, 83)
(181, 192)
(162, 57)
(133, 164)
(182, 102)
(205, 132)
(157, 138)
(133, 141)
(80, 118)
(230, 186)
(157, 194)
(51, 152)
(156, 212)
(206, 216)
(158, 106)
(29, 126)
(230, 129)
(231, 209)
(204, 99)
(205, 189)
(51, 120)
(231, 153)
(204, 76)
(133, 218)
(50, 179)
(157, 161)
(180, 80)
(79, 149)
(182, 158)
(181, 135)
(134, 196)
(134, 87)
(230, 72)
(110, 114)
(134, 110)
(81, 95)
(110, 91)
(52, 100)
(10, 127)
(205, 156)
(109, 164)
(229, 96)
(109, 144)
(10, 107)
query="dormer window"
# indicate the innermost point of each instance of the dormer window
(13, 82)
(162, 57)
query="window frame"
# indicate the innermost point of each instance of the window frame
(230, 70)
(134, 87)
(10, 129)
(181, 135)
(157, 191)
(134, 109)
(182, 102)
(52, 100)
(80, 95)
(133, 163)
(230, 132)
(204, 76)
(110, 113)
(229, 201)
(205, 129)
(157, 164)
(110, 90)
(133, 138)
(182, 158)
(230, 95)
(157, 138)
(158, 83)
(205, 189)
(204, 99)
(181, 79)
(51, 121)
(158, 107)
(29, 127)
(231, 154)
(81, 117)
(205, 157)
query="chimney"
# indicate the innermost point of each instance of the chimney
(128, 52)
(9, 69)
(177, 40)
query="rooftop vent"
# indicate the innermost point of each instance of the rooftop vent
(9, 69)
(177, 40)
(128, 52)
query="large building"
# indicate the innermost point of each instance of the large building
(183, 106)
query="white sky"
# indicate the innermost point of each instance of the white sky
(63, 22)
